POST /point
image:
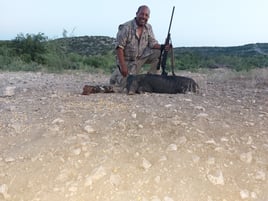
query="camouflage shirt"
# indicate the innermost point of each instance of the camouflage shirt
(133, 46)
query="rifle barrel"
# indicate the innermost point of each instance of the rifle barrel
(171, 19)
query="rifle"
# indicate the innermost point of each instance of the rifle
(164, 53)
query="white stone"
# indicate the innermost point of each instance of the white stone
(162, 158)
(168, 105)
(195, 158)
(8, 91)
(211, 161)
(167, 198)
(95, 175)
(146, 164)
(172, 147)
(211, 141)
(4, 191)
(260, 175)
(76, 151)
(73, 188)
(134, 115)
(216, 178)
(246, 157)
(9, 159)
(188, 100)
(200, 108)
(57, 121)
(202, 115)
(253, 195)
(182, 140)
(89, 129)
(244, 194)
(250, 140)
(115, 179)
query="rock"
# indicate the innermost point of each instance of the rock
(76, 151)
(4, 191)
(9, 159)
(89, 129)
(216, 177)
(195, 158)
(115, 179)
(162, 158)
(146, 164)
(211, 141)
(211, 161)
(73, 188)
(202, 115)
(167, 198)
(244, 194)
(260, 175)
(200, 108)
(134, 115)
(140, 126)
(246, 157)
(7, 91)
(172, 147)
(182, 140)
(95, 175)
(250, 140)
(57, 121)
(168, 105)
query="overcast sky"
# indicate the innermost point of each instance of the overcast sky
(195, 22)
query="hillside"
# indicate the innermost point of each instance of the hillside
(244, 50)
(92, 53)
(236, 57)
(86, 45)
(92, 45)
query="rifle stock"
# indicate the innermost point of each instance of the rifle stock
(164, 53)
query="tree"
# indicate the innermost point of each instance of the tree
(30, 47)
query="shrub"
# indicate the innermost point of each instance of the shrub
(30, 47)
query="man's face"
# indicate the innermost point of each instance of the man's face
(142, 16)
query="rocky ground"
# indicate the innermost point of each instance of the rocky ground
(56, 144)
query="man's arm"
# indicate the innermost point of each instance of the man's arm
(122, 63)
(166, 47)
(157, 46)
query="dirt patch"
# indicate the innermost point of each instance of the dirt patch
(56, 144)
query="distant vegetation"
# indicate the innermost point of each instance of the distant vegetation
(239, 58)
(35, 52)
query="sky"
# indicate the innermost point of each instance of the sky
(195, 22)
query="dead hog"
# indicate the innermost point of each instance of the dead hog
(160, 84)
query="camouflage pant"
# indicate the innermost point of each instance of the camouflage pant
(134, 67)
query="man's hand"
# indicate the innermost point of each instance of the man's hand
(166, 47)
(124, 71)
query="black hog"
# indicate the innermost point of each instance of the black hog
(160, 84)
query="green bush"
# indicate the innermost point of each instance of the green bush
(30, 47)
